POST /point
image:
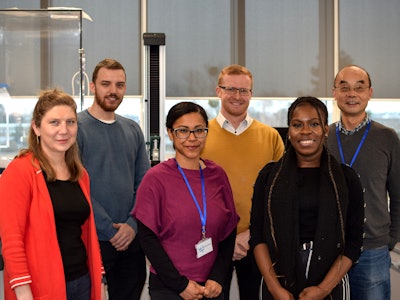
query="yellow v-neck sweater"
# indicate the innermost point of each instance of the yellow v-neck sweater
(242, 157)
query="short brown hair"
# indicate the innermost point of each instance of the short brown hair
(107, 63)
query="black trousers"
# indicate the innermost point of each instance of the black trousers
(248, 278)
(340, 292)
(125, 271)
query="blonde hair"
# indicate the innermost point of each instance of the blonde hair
(234, 70)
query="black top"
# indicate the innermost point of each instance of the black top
(308, 203)
(71, 210)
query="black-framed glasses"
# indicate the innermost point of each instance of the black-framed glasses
(184, 133)
(357, 88)
(232, 90)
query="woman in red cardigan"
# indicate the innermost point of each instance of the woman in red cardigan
(47, 228)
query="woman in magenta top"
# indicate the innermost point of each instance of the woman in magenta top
(186, 215)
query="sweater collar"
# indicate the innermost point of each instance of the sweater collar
(225, 124)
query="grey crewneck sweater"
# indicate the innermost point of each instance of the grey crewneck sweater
(116, 159)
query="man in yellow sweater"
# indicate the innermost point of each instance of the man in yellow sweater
(242, 146)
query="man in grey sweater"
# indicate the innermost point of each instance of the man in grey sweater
(373, 151)
(113, 151)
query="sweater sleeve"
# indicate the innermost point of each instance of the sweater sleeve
(160, 260)
(15, 200)
(394, 190)
(224, 258)
(258, 216)
(142, 165)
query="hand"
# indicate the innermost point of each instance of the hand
(313, 293)
(23, 292)
(241, 245)
(212, 289)
(122, 239)
(103, 292)
(193, 291)
(281, 294)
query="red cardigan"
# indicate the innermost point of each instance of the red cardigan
(28, 233)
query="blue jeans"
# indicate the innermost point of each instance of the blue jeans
(79, 289)
(370, 276)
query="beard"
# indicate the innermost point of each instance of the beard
(106, 106)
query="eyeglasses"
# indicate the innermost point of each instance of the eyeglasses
(357, 88)
(184, 133)
(232, 90)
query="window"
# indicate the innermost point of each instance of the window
(369, 38)
(289, 47)
(198, 43)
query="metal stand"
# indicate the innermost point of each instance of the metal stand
(155, 94)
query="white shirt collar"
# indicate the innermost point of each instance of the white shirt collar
(225, 124)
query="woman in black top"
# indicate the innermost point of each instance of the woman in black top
(307, 214)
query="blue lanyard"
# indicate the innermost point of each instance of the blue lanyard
(358, 148)
(203, 215)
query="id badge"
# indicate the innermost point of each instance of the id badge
(204, 247)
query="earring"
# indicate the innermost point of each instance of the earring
(37, 139)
